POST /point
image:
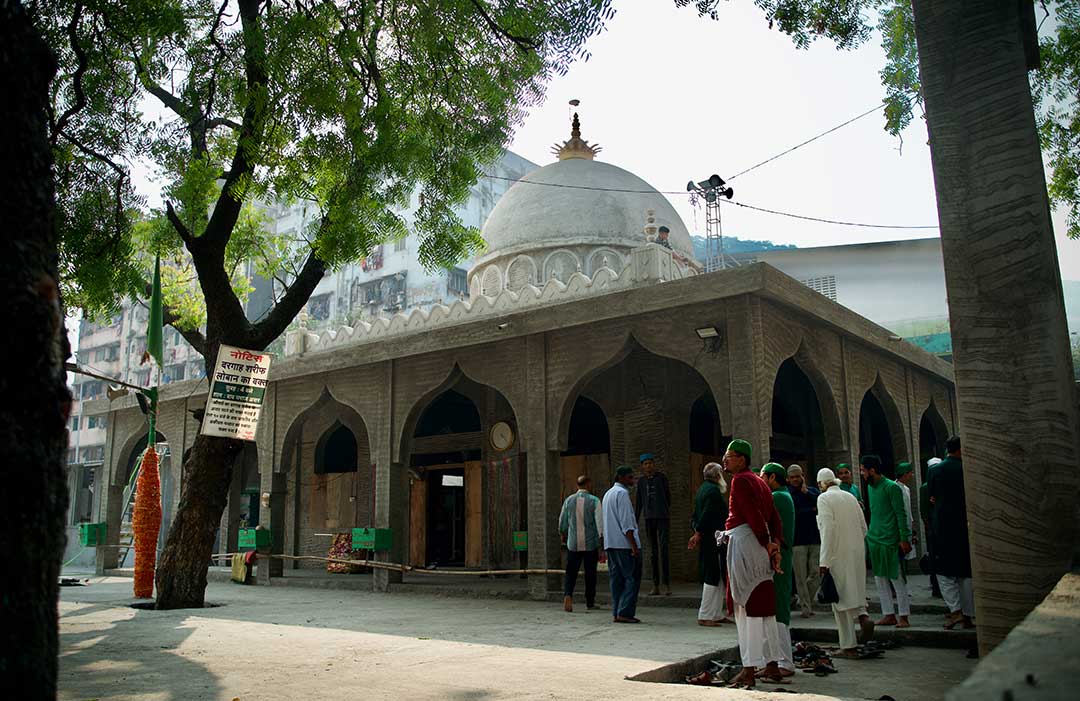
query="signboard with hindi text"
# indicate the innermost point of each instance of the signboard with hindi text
(236, 393)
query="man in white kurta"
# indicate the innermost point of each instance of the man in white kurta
(843, 528)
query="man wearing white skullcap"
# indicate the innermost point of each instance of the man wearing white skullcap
(842, 527)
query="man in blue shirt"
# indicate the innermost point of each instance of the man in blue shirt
(581, 526)
(623, 547)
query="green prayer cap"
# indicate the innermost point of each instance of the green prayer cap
(623, 470)
(741, 447)
(772, 468)
(903, 468)
(843, 466)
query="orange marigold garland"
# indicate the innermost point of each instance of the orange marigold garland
(146, 522)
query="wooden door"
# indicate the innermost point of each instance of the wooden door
(418, 523)
(474, 513)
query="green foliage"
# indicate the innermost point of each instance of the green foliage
(351, 105)
(1055, 89)
(1054, 85)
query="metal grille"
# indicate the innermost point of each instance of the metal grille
(825, 285)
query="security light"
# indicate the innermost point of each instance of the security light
(707, 332)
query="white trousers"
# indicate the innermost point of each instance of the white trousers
(758, 638)
(712, 603)
(959, 594)
(846, 619)
(783, 656)
(903, 598)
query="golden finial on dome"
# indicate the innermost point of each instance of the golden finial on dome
(575, 147)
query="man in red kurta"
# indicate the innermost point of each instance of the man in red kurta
(754, 533)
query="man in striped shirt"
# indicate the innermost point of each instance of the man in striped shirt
(581, 526)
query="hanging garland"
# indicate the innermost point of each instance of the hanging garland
(146, 522)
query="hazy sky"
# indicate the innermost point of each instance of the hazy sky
(673, 97)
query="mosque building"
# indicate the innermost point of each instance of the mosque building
(587, 339)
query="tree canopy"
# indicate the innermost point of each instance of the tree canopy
(850, 23)
(351, 105)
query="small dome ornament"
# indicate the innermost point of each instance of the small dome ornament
(575, 146)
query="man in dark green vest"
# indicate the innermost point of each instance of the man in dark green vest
(775, 476)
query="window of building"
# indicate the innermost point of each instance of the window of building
(72, 456)
(74, 423)
(91, 390)
(319, 307)
(99, 354)
(457, 282)
(825, 285)
(83, 500)
(93, 453)
(96, 421)
(112, 353)
(174, 373)
(399, 245)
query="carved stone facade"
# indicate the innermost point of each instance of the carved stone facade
(586, 375)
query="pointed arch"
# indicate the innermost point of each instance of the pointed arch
(881, 429)
(825, 422)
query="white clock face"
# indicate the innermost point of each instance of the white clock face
(502, 436)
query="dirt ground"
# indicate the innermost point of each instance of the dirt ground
(315, 643)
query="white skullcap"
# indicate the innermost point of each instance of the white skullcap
(932, 461)
(827, 476)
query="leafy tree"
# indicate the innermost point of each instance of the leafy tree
(348, 104)
(849, 23)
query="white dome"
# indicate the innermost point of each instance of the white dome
(534, 216)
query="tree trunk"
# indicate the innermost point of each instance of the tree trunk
(33, 420)
(1014, 378)
(181, 572)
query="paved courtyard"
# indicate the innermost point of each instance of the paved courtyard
(298, 643)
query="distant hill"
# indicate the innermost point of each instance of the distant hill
(733, 244)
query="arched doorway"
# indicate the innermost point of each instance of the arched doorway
(466, 490)
(129, 475)
(874, 434)
(932, 436)
(327, 456)
(658, 405)
(588, 447)
(798, 432)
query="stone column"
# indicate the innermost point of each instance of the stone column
(391, 490)
(110, 502)
(542, 471)
(745, 348)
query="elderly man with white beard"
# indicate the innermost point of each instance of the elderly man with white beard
(842, 527)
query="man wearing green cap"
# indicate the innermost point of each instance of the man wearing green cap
(623, 547)
(843, 472)
(887, 539)
(905, 475)
(754, 535)
(776, 477)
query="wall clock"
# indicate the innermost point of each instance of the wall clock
(501, 436)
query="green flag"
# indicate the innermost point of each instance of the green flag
(154, 325)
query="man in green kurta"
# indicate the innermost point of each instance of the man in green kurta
(775, 476)
(888, 539)
(710, 513)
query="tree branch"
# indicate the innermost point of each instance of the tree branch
(250, 140)
(181, 228)
(76, 80)
(296, 296)
(523, 43)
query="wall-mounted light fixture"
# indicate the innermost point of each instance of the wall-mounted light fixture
(707, 332)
